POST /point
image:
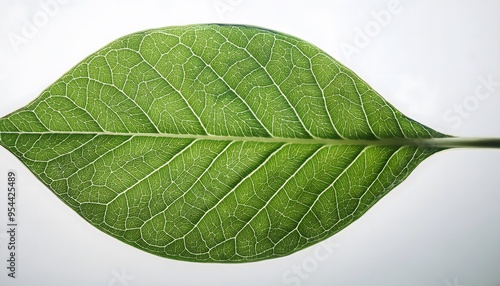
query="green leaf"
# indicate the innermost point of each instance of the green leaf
(216, 143)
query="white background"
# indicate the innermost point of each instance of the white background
(439, 227)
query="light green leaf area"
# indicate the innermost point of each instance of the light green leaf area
(215, 143)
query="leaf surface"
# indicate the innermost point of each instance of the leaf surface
(215, 143)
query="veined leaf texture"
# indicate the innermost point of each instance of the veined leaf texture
(216, 143)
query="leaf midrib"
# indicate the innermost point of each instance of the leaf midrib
(445, 142)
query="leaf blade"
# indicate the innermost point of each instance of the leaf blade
(195, 143)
